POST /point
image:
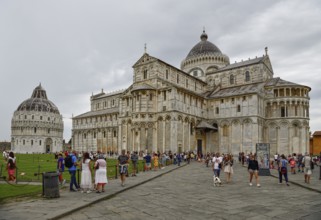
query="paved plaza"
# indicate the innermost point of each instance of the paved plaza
(181, 193)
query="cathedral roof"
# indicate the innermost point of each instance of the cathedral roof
(277, 81)
(204, 47)
(97, 113)
(237, 90)
(142, 87)
(241, 64)
(38, 102)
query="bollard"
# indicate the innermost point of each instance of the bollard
(143, 166)
(137, 167)
(16, 175)
(38, 171)
(1, 170)
(115, 171)
(78, 177)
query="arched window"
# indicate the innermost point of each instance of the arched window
(145, 74)
(231, 79)
(247, 76)
(225, 130)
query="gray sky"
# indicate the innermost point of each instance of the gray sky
(76, 47)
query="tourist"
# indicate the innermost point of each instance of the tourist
(148, 160)
(86, 179)
(101, 173)
(228, 167)
(123, 166)
(179, 159)
(217, 164)
(243, 158)
(61, 168)
(207, 159)
(283, 170)
(320, 166)
(11, 167)
(155, 159)
(292, 162)
(253, 169)
(300, 164)
(306, 161)
(163, 159)
(134, 159)
(72, 171)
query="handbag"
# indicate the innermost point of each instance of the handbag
(97, 166)
(283, 170)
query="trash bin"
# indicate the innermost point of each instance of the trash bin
(51, 185)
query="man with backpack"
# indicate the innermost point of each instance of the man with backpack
(71, 164)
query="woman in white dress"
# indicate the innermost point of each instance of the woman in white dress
(101, 174)
(86, 180)
(228, 167)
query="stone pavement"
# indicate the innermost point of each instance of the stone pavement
(42, 208)
(298, 179)
(185, 193)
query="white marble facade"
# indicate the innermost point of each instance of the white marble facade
(208, 105)
(37, 126)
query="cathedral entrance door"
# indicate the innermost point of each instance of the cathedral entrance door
(48, 145)
(199, 146)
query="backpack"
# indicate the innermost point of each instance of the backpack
(68, 161)
(311, 165)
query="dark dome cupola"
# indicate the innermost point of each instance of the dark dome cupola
(203, 56)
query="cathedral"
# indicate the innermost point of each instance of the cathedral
(208, 105)
(36, 125)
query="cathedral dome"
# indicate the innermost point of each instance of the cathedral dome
(38, 102)
(204, 47)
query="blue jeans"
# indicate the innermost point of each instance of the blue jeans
(217, 172)
(73, 179)
(285, 176)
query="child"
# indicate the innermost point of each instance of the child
(292, 165)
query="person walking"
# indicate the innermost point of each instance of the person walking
(253, 169)
(11, 167)
(155, 159)
(228, 167)
(101, 173)
(134, 159)
(61, 168)
(86, 177)
(179, 159)
(217, 164)
(148, 160)
(283, 170)
(72, 172)
(123, 166)
(307, 168)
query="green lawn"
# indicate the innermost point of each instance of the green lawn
(29, 164)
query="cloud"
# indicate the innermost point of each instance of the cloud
(78, 47)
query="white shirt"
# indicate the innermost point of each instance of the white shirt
(216, 161)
